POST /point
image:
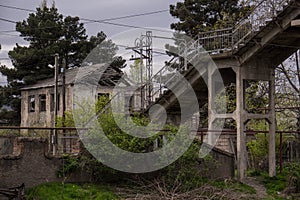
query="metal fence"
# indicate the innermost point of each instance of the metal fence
(288, 152)
(60, 140)
(68, 142)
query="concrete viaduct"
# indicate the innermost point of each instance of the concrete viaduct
(249, 51)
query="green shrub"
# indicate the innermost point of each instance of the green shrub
(185, 172)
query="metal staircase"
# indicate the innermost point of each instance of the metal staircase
(236, 37)
(234, 41)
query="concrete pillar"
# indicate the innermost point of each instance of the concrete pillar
(211, 115)
(240, 117)
(272, 126)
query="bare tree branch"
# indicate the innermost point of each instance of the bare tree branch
(283, 69)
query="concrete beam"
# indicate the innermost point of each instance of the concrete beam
(283, 24)
(224, 116)
(295, 22)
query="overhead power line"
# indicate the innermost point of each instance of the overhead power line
(127, 16)
(107, 19)
(8, 31)
(7, 20)
(17, 8)
(103, 21)
(127, 25)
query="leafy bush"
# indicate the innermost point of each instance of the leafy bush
(293, 173)
(70, 165)
(184, 174)
(259, 149)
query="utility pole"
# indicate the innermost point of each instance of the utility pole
(56, 72)
(141, 73)
(64, 102)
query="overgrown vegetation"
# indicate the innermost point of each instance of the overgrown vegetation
(283, 185)
(152, 191)
(186, 178)
(56, 191)
(184, 172)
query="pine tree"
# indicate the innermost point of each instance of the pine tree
(47, 33)
(202, 15)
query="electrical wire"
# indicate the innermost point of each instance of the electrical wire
(7, 20)
(17, 8)
(8, 31)
(103, 21)
(128, 16)
(107, 19)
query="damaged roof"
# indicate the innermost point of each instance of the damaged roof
(99, 73)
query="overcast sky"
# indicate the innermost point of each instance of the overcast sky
(90, 9)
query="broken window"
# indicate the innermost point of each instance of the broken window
(42, 99)
(31, 100)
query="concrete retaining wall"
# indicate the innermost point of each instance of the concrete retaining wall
(30, 164)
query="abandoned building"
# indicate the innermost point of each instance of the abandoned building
(38, 100)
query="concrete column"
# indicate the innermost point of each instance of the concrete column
(211, 116)
(272, 126)
(240, 117)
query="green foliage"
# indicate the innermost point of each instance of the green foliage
(104, 51)
(70, 164)
(57, 191)
(227, 96)
(293, 172)
(48, 32)
(10, 97)
(256, 96)
(283, 184)
(186, 172)
(259, 148)
(201, 15)
(9, 132)
(273, 184)
(66, 121)
(234, 186)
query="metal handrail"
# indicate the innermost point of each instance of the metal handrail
(222, 40)
(230, 39)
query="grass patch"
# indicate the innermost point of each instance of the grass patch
(57, 191)
(234, 186)
(275, 184)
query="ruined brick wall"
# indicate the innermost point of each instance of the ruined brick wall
(31, 165)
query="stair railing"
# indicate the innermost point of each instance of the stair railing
(228, 39)
(215, 42)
